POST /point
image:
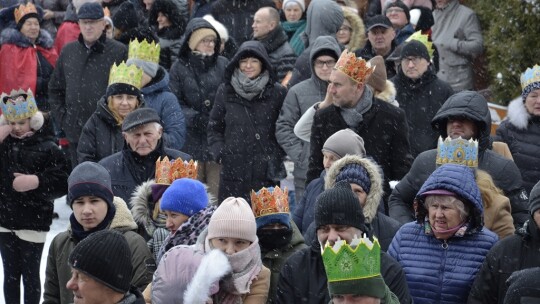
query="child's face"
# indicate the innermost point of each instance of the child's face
(174, 220)
(20, 127)
(230, 245)
(89, 211)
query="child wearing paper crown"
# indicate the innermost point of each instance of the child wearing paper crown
(34, 173)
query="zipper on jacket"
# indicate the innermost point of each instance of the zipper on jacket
(444, 245)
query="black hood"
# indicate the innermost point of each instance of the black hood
(176, 10)
(193, 25)
(256, 49)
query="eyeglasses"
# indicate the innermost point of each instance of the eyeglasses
(414, 60)
(327, 63)
(345, 29)
(208, 41)
(394, 10)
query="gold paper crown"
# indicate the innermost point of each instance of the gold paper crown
(531, 75)
(424, 39)
(24, 10)
(357, 69)
(359, 260)
(144, 51)
(18, 105)
(128, 74)
(457, 151)
(169, 171)
(268, 201)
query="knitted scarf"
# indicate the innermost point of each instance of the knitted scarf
(246, 87)
(295, 41)
(354, 116)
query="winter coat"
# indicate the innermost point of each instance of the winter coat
(404, 33)
(421, 99)
(232, 135)
(69, 30)
(26, 65)
(324, 18)
(58, 271)
(458, 38)
(58, 8)
(79, 80)
(303, 214)
(358, 33)
(303, 278)
(382, 120)
(442, 271)
(521, 132)
(368, 52)
(159, 97)
(237, 16)
(523, 287)
(299, 98)
(39, 155)
(194, 81)
(128, 169)
(282, 56)
(504, 172)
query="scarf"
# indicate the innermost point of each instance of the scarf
(295, 41)
(78, 231)
(249, 88)
(354, 116)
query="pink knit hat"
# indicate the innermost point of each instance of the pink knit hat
(233, 219)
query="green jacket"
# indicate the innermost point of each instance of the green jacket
(58, 271)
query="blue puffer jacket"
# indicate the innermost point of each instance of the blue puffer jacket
(436, 274)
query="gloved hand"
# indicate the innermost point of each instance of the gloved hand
(25, 182)
(4, 132)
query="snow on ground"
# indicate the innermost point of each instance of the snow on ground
(58, 225)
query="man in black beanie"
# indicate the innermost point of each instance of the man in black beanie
(101, 270)
(338, 216)
(398, 13)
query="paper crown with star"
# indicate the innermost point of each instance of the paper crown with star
(144, 51)
(167, 171)
(357, 69)
(457, 151)
(270, 201)
(18, 105)
(425, 40)
(127, 74)
(530, 76)
(23, 10)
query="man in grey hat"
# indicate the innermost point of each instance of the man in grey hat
(136, 163)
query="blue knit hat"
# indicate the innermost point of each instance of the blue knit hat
(356, 174)
(275, 217)
(186, 196)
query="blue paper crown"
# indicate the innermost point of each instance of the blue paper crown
(18, 105)
(531, 75)
(457, 151)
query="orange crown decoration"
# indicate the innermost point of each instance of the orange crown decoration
(169, 171)
(24, 10)
(267, 202)
(357, 69)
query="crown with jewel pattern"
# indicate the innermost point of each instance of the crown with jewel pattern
(127, 74)
(168, 171)
(425, 40)
(24, 10)
(457, 151)
(267, 202)
(357, 69)
(530, 76)
(18, 105)
(144, 51)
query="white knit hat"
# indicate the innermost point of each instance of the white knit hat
(220, 28)
(299, 2)
(233, 219)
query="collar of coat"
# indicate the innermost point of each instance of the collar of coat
(98, 46)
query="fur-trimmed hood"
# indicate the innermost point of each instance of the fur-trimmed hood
(122, 220)
(375, 194)
(13, 36)
(517, 114)
(389, 93)
(358, 35)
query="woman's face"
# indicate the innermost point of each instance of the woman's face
(444, 214)
(123, 104)
(20, 127)
(30, 29)
(251, 67)
(174, 220)
(207, 45)
(532, 102)
(293, 12)
(163, 21)
(344, 33)
(230, 245)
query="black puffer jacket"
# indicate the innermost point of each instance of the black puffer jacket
(195, 80)
(231, 134)
(504, 171)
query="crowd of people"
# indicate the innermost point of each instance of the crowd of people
(273, 151)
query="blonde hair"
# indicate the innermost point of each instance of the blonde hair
(487, 187)
(119, 119)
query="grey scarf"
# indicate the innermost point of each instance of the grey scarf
(354, 116)
(249, 88)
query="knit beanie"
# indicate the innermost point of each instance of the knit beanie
(400, 4)
(356, 174)
(199, 35)
(233, 219)
(90, 179)
(325, 52)
(125, 17)
(186, 196)
(378, 77)
(339, 206)
(345, 142)
(104, 256)
(218, 26)
(528, 89)
(149, 68)
(534, 198)
(301, 3)
(414, 48)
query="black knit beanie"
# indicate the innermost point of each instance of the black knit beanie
(104, 256)
(339, 206)
(414, 48)
(403, 6)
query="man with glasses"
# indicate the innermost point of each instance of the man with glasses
(420, 94)
(81, 74)
(398, 13)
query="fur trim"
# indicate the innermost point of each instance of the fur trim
(517, 114)
(375, 194)
(123, 220)
(358, 36)
(139, 202)
(389, 94)
(36, 121)
(13, 36)
(213, 267)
